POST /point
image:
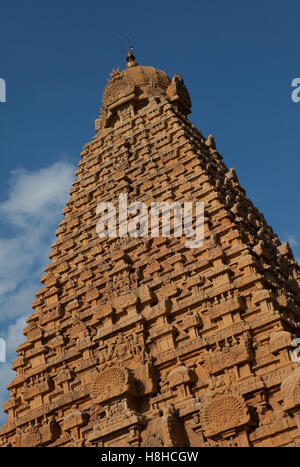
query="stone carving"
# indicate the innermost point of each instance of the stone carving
(36, 385)
(290, 389)
(165, 431)
(64, 375)
(129, 348)
(280, 340)
(74, 419)
(230, 354)
(181, 378)
(178, 92)
(36, 434)
(223, 412)
(153, 440)
(110, 382)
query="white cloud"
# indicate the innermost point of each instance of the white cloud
(31, 212)
(292, 239)
(14, 335)
(18, 257)
(6, 375)
(36, 195)
(19, 302)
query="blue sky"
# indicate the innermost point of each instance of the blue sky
(238, 60)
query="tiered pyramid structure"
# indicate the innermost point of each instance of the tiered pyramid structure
(141, 341)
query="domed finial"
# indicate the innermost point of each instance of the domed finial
(131, 58)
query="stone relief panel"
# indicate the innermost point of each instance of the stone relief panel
(223, 412)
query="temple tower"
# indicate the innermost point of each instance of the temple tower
(144, 341)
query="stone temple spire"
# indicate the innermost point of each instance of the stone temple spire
(142, 341)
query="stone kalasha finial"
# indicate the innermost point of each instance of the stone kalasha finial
(131, 59)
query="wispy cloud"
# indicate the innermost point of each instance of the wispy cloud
(292, 239)
(6, 375)
(30, 214)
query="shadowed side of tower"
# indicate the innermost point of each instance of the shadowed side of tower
(141, 341)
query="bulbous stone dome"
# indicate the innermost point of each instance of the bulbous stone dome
(143, 75)
(140, 83)
(146, 80)
(149, 81)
